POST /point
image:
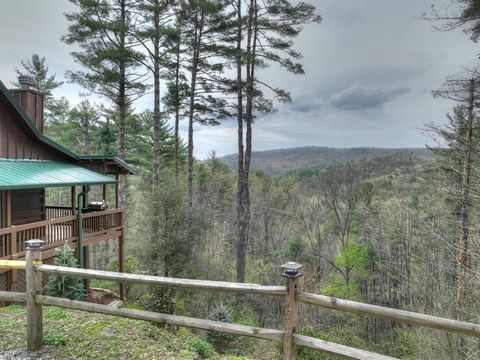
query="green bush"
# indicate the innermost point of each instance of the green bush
(220, 341)
(160, 300)
(202, 347)
(64, 286)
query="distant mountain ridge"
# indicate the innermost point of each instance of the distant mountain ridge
(283, 160)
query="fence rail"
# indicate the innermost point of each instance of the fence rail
(288, 336)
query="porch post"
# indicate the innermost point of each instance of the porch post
(117, 192)
(85, 196)
(104, 194)
(8, 208)
(73, 191)
(12, 280)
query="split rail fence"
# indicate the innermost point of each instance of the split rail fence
(35, 299)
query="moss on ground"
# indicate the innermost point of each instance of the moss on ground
(74, 334)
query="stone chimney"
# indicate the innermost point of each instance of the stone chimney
(31, 100)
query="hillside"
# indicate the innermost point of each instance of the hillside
(283, 160)
(70, 334)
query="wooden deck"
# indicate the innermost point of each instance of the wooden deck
(97, 226)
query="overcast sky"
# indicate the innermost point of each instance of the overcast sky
(370, 66)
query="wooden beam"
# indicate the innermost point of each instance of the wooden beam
(13, 264)
(385, 313)
(11, 296)
(337, 349)
(261, 333)
(163, 281)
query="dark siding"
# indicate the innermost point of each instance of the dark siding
(17, 142)
(27, 206)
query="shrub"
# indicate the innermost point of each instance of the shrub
(202, 347)
(220, 341)
(64, 286)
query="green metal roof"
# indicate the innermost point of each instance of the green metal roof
(34, 174)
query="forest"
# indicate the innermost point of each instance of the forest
(392, 229)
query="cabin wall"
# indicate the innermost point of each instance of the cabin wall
(28, 206)
(17, 142)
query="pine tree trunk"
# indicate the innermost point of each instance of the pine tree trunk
(196, 53)
(465, 213)
(156, 105)
(122, 110)
(177, 111)
(244, 184)
(85, 133)
(241, 230)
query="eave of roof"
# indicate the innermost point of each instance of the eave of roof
(17, 174)
(118, 161)
(41, 137)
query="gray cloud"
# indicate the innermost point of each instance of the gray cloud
(358, 97)
(381, 45)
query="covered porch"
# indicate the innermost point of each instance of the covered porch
(23, 185)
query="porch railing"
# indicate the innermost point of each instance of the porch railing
(55, 212)
(55, 232)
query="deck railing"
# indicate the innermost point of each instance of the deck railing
(55, 232)
(34, 299)
(55, 212)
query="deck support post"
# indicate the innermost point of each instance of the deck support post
(104, 195)
(117, 191)
(13, 272)
(86, 250)
(121, 256)
(72, 198)
(34, 287)
(291, 271)
(80, 249)
(12, 276)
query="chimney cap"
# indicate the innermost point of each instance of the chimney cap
(26, 82)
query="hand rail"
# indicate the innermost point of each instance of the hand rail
(57, 231)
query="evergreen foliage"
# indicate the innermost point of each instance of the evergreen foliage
(36, 68)
(64, 286)
(220, 341)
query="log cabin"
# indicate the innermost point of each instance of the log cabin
(30, 163)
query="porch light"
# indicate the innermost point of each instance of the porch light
(34, 244)
(291, 270)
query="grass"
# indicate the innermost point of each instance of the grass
(74, 334)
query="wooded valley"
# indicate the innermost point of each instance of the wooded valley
(392, 227)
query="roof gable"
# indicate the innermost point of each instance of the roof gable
(29, 126)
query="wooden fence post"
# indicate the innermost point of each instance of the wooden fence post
(291, 271)
(34, 287)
